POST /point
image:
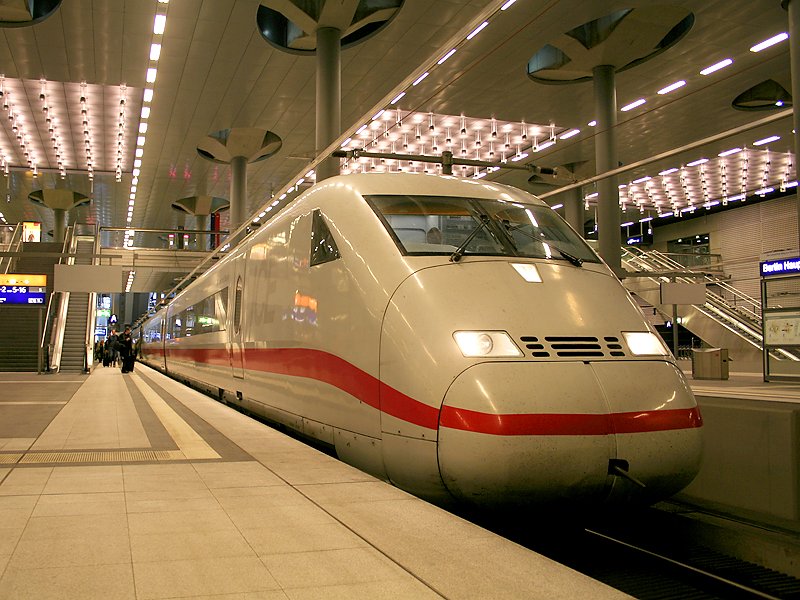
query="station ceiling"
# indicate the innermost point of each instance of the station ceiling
(87, 65)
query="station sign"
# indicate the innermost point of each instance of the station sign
(23, 289)
(781, 266)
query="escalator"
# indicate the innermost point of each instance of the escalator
(729, 319)
(71, 327)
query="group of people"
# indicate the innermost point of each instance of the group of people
(118, 348)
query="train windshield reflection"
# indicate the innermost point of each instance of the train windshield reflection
(431, 225)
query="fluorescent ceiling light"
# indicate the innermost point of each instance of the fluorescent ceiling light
(446, 56)
(507, 4)
(142, 127)
(729, 152)
(626, 224)
(148, 95)
(145, 112)
(592, 123)
(668, 171)
(159, 24)
(477, 30)
(767, 140)
(633, 105)
(699, 161)
(545, 145)
(716, 67)
(140, 140)
(557, 206)
(569, 134)
(151, 75)
(155, 51)
(420, 78)
(139, 152)
(673, 87)
(641, 179)
(397, 98)
(378, 114)
(770, 42)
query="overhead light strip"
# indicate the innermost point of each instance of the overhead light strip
(159, 26)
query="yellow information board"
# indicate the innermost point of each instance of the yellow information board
(22, 279)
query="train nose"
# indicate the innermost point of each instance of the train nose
(617, 431)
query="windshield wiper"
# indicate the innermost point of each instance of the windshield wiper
(456, 256)
(569, 257)
(573, 259)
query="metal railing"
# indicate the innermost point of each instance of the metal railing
(13, 245)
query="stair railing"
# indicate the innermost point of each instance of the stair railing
(14, 245)
(91, 317)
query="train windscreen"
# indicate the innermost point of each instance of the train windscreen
(431, 225)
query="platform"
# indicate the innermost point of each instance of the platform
(134, 486)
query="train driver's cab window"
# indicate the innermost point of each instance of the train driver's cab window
(433, 225)
(323, 246)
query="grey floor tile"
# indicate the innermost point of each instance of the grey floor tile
(157, 547)
(67, 552)
(398, 589)
(170, 579)
(331, 567)
(97, 582)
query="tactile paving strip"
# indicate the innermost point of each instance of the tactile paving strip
(100, 456)
(9, 459)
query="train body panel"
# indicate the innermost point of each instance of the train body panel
(448, 375)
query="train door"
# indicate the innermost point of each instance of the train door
(236, 337)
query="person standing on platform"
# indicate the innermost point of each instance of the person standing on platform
(111, 348)
(125, 343)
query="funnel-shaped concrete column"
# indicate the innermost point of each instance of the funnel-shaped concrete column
(201, 207)
(60, 201)
(595, 51)
(238, 147)
(26, 13)
(324, 27)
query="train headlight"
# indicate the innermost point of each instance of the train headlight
(486, 343)
(644, 343)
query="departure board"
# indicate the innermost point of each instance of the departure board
(23, 289)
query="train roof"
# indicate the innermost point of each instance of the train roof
(367, 184)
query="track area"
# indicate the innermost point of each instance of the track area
(642, 554)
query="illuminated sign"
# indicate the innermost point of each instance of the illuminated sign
(31, 231)
(23, 289)
(782, 266)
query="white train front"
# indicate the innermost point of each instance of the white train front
(452, 336)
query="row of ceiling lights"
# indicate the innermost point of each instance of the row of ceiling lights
(159, 26)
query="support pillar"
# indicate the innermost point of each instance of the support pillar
(605, 148)
(59, 225)
(329, 97)
(238, 210)
(573, 209)
(793, 8)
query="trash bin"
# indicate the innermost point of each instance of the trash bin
(710, 363)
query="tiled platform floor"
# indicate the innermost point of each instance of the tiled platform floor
(133, 486)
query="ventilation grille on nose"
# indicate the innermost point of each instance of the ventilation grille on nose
(572, 346)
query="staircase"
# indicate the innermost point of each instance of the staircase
(19, 338)
(19, 325)
(73, 352)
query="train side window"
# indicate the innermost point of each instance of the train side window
(323, 246)
(237, 306)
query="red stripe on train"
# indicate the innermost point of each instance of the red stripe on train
(570, 424)
(337, 372)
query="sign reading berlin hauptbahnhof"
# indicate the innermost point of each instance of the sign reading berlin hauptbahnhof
(781, 266)
(23, 289)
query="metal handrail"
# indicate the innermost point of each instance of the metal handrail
(59, 323)
(16, 244)
(746, 322)
(91, 315)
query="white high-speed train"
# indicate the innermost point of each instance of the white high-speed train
(452, 336)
